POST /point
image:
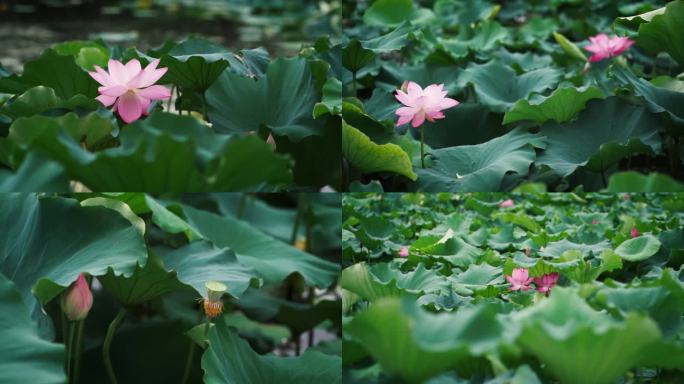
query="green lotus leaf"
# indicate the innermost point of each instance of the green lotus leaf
(365, 155)
(69, 81)
(486, 36)
(168, 269)
(65, 239)
(25, 356)
(202, 160)
(271, 258)
(36, 173)
(387, 13)
(331, 102)
(230, 359)
(657, 99)
(454, 250)
(665, 32)
(498, 87)
(88, 54)
(410, 342)
(195, 63)
(355, 56)
(561, 106)
(240, 104)
(605, 132)
(392, 41)
(636, 182)
(639, 248)
(480, 167)
(565, 325)
(380, 280)
(40, 99)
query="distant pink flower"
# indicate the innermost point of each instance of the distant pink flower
(519, 280)
(546, 282)
(404, 252)
(626, 197)
(77, 300)
(634, 232)
(506, 204)
(422, 104)
(604, 47)
(129, 87)
(595, 221)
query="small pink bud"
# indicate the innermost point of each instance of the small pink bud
(594, 221)
(404, 252)
(634, 232)
(506, 204)
(77, 300)
(626, 197)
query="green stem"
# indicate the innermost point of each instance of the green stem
(188, 363)
(108, 342)
(77, 356)
(354, 83)
(70, 348)
(168, 104)
(207, 325)
(191, 352)
(422, 141)
(204, 107)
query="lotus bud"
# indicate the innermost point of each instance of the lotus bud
(213, 306)
(634, 232)
(77, 300)
(404, 252)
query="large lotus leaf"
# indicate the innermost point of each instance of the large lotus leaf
(415, 344)
(282, 101)
(479, 275)
(657, 98)
(665, 32)
(464, 12)
(369, 157)
(200, 160)
(40, 99)
(59, 239)
(25, 356)
(658, 302)
(196, 63)
(193, 265)
(561, 106)
(639, 248)
(636, 182)
(36, 173)
(603, 349)
(52, 70)
(605, 132)
(454, 250)
(480, 167)
(486, 36)
(87, 54)
(392, 41)
(230, 359)
(380, 280)
(92, 130)
(498, 87)
(388, 12)
(273, 259)
(355, 56)
(555, 249)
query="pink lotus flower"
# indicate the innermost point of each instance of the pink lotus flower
(604, 47)
(506, 204)
(77, 300)
(404, 252)
(422, 104)
(519, 280)
(130, 88)
(546, 282)
(634, 232)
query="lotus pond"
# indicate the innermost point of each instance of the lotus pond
(191, 113)
(521, 288)
(478, 95)
(134, 288)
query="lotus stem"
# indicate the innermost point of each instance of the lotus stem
(188, 363)
(70, 348)
(77, 355)
(108, 341)
(422, 151)
(354, 82)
